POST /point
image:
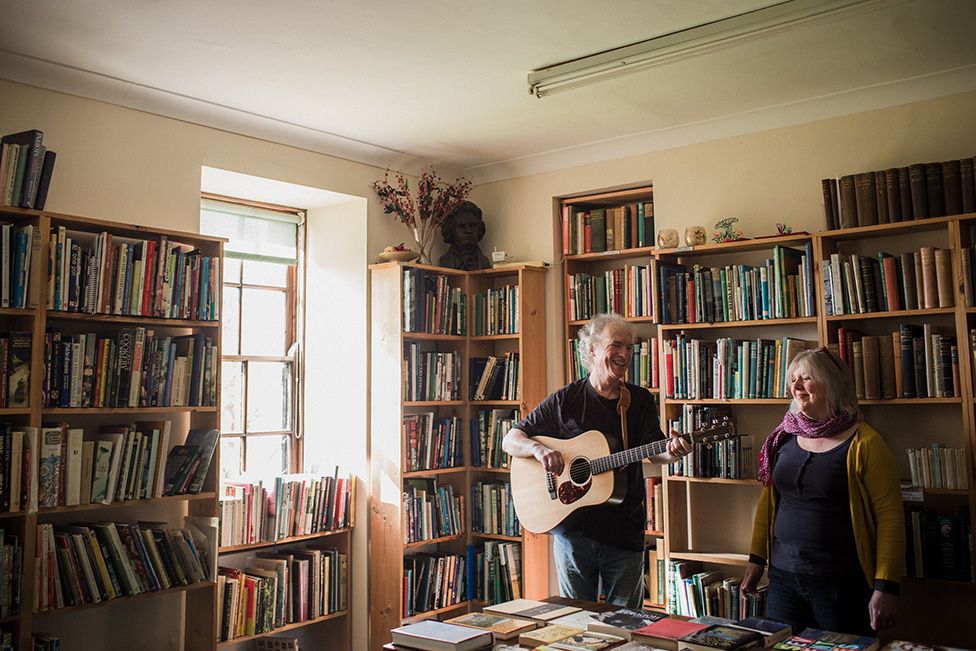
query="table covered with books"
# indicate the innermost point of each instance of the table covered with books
(560, 624)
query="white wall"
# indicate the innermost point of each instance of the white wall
(761, 178)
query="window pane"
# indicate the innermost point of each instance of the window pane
(267, 456)
(265, 273)
(231, 320)
(232, 270)
(268, 396)
(263, 322)
(231, 458)
(232, 397)
(249, 235)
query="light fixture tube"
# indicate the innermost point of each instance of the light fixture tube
(684, 43)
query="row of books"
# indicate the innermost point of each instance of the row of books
(16, 250)
(15, 366)
(625, 291)
(6, 640)
(780, 288)
(102, 273)
(120, 463)
(488, 428)
(598, 229)
(94, 562)
(26, 167)
(18, 468)
(725, 459)
(492, 509)
(938, 543)
(644, 363)
(497, 571)
(729, 368)
(432, 443)
(431, 510)
(44, 642)
(496, 377)
(857, 284)
(431, 304)
(432, 581)
(431, 375)
(496, 311)
(897, 194)
(12, 562)
(655, 572)
(296, 505)
(694, 592)
(938, 467)
(279, 588)
(912, 362)
(130, 368)
(654, 500)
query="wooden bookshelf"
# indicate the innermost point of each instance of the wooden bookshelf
(388, 346)
(196, 599)
(283, 629)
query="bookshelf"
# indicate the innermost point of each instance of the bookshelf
(172, 318)
(709, 520)
(504, 318)
(599, 276)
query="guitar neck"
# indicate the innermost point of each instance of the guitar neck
(631, 455)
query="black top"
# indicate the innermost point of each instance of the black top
(813, 533)
(577, 408)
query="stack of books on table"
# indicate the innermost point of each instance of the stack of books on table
(525, 623)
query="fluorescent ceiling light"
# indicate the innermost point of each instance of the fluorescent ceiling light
(685, 43)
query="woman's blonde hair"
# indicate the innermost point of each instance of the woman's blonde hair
(826, 368)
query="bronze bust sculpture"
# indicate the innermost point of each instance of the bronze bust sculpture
(462, 230)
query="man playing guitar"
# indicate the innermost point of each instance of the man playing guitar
(599, 548)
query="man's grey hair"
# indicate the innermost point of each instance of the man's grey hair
(594, 330)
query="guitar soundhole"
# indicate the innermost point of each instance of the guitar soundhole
(579, 484)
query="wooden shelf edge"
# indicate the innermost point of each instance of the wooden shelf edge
(166, 499)
(154, 321)
(407, 474)
(712, 557)
(899, 314)
(496, 536)
(231, 549)
(431, 541)
(199, 585)
(223, 644)
(715, 480)
(128, 410)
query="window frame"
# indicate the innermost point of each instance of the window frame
(294, 339)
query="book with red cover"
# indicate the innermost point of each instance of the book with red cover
(665, 633)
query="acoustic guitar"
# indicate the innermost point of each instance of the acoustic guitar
(543, 500)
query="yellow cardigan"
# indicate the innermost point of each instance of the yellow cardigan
(876, 510)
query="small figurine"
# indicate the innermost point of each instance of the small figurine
(667, 238)
(695, 235)
(727, 232)
(783, 229)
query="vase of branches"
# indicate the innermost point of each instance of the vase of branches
(423, 214)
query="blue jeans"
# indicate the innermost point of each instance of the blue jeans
(832, 603)
(586, 568)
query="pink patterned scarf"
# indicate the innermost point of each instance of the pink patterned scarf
(799, 424)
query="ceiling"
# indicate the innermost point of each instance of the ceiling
(400, 83)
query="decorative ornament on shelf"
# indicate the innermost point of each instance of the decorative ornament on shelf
(424, 215)
(667, 238)
(783, 229)
(727, 232)
(695, 236)
(398, 253)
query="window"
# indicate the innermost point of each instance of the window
(260, 371)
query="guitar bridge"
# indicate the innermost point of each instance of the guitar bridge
(551, 485)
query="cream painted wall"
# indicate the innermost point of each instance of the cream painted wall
(761, 178)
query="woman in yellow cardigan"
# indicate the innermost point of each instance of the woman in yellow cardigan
(829, 520)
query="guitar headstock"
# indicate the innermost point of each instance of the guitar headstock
(719, 430)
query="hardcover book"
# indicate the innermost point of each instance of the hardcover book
(587, 642)
(622, 622)
(548, 635)
(725, 638)
(502, 627)
(771, 630)
(531, 609)
(430, 635)
(665, 633)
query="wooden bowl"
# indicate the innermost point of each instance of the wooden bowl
(399, 256)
